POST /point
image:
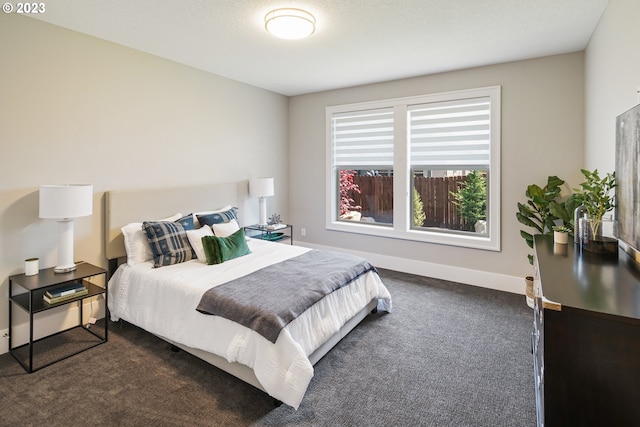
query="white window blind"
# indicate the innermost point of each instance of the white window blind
(451, 134)
(363, 139)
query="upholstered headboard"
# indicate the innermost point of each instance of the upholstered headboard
(126, 206)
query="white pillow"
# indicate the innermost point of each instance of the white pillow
(136, 243)
(225, 229)
(195, 238)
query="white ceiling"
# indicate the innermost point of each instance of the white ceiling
(356, 41)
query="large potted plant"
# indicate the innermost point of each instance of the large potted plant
(542, 210)
(597, 196)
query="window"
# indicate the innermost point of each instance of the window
(423, 168)
(363, 165)
(449, 142)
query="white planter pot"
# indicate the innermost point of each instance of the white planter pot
(560, 237)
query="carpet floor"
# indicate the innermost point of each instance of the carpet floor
(448, 355)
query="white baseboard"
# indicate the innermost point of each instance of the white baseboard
(49, 322)
(484, 279)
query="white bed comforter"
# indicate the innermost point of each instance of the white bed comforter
(163, 301)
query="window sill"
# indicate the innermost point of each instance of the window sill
(467, 240)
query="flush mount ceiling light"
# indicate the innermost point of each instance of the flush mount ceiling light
(291, 24)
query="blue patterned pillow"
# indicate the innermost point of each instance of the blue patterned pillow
(218, 217)
(186, 222)
(168, 242)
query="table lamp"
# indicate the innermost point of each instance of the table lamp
(261, 188)
(64, 203)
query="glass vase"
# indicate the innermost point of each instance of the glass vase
(578, 213)
(598, 237)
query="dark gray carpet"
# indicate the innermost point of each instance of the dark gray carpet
(448, 355)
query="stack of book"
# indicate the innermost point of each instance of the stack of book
(64, 293)
(276, 226)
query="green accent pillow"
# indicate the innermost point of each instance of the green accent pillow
(221, 249)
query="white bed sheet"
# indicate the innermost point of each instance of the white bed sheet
(163, 300)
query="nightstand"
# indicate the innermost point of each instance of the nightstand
(263, 232)
(26, 294)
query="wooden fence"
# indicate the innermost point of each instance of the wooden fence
(376, 199)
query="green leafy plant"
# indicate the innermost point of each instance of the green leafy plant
(562, 229)
(471, 198)
(564, 210)
(595, 194)
(418, 209)
(541, 210)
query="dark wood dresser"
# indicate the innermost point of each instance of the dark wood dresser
(586, 338)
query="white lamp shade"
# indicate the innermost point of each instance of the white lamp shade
(261, 187)
(66, 201)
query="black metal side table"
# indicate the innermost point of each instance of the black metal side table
(27, 293)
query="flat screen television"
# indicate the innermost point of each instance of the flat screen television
(628, 181)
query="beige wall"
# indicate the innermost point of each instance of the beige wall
(75, 109)
(612, 79)
(542, 135)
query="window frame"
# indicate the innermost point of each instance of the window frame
(402, 199)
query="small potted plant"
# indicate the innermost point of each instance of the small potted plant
(561, 234)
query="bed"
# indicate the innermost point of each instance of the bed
(163, 300)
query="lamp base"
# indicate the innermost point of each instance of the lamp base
(262, 206)
(66, 269)
(65, 247)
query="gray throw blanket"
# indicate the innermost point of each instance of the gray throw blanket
(267, 300)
